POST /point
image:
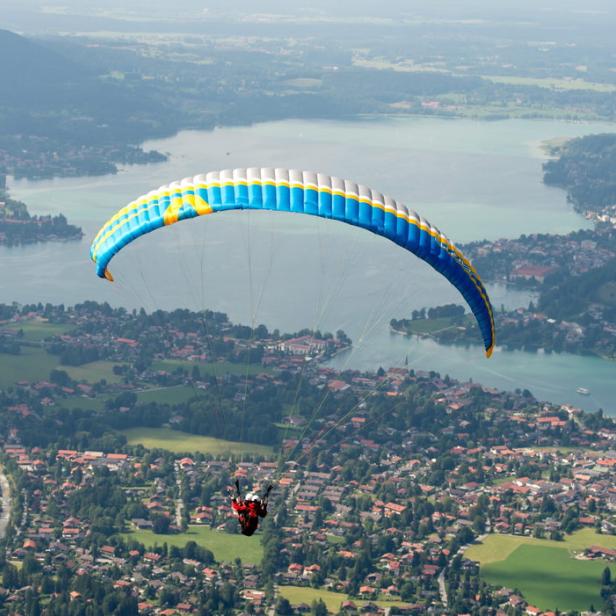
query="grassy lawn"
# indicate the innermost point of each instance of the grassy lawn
(501, 480)
(283, 426)
(548, 577)
(563, 450)
(495, 548)
(165, 395)
(218, 368)
(553, 84)
(32, 364)
(86, 404)
(428, 326)
(545, 571)
(93, 372)
(224, 546)
(168, 395)
(35, 331)
(182, 442)
(306, 594)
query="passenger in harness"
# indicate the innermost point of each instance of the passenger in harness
(249, 509)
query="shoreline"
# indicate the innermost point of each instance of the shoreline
(543, 147)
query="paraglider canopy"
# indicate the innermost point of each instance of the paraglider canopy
(303, 192)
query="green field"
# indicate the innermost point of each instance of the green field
(86, 404)
(498, 547)
(32, 364)
(182, 442)
(93, 372)
(165, 395)
(563, 450)
(546, 572)
(224, 546)
(35, 331)
(219, 368)
(553, 84)
(501, 480)
(306, 594)
(548, 577)
(168, 395)
(427, 327)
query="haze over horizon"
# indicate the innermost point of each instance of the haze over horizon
(39, 16)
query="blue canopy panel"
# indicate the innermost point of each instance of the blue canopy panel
(302, 192)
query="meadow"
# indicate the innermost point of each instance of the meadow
(92, 372)
(549, 578)
(546, 572)
(218, 368)
(552, 83)
(176, 394)
(225, 546)
(428, 326)
(182, 442)
(36, 331)
(495, 548)
(32, 364)
(307, 594)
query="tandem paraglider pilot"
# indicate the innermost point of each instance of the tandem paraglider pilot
(249, 509)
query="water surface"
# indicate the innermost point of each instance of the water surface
(472, 179)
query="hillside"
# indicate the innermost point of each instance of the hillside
(50, 104)
(48, 95)
(586, 170)
(35, 74)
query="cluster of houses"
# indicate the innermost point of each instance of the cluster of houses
(533, 257)
(322, 513)
(383, 534)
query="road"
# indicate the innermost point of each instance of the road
(179, 502)
(6, 503)
(442, 588)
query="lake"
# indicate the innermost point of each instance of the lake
(472, 179)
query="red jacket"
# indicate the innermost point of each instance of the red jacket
(249, 513)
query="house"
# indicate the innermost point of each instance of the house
(256, 597)
(393, 509)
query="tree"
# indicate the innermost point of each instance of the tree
(606, 577)
(318, 608)
(283, 607)
(160, 524)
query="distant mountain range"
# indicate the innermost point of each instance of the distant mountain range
(32, 74)
(45, 94)
(59, 116)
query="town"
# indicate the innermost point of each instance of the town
(390, 487)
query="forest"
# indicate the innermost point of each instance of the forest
(585, 169)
